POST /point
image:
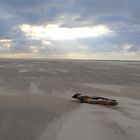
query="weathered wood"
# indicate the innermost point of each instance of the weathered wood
(95, 100)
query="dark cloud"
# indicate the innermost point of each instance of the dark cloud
(41, 11)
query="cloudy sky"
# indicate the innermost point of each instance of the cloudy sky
(75, 29)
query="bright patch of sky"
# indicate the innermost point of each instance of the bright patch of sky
(54, 32)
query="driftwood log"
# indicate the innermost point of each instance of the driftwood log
(95, 100)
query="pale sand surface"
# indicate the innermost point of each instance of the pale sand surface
(36, 103)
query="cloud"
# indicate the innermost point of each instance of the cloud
(5, 45)
(118, 25)
(54, 32)
(5, 41)
(127, 46)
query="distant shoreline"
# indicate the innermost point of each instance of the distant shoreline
(52, 59)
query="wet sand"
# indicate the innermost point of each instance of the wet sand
(36, 103)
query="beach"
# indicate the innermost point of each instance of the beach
(36, 103)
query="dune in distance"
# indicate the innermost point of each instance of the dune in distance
(36, 103)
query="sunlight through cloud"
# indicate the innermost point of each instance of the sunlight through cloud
(54, 32)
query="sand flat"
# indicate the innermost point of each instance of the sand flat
(36, 103)
(98, 122)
